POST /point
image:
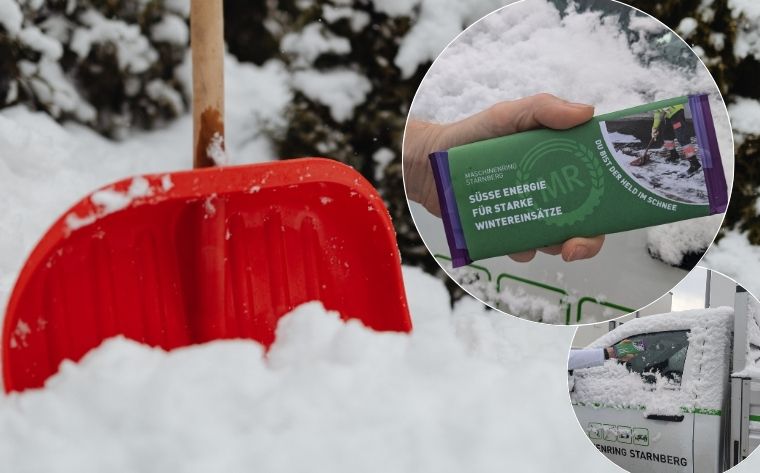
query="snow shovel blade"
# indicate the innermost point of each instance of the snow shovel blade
(202, 255)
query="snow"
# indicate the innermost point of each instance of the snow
(358, 19)
(704, 374)
(447, 397)
(171, 29)
(10, 16)
(341, 90)
(110, 200)
(747, 42)
(40, 42)
(672, 242)
(537, 50)
(438, 23)
(687, 27)
(469, 390)
(513, 300)
(660, 177)
(51, 88)
(163, 93)
(617, 137)
(745, 118)
(752, 361)
(383, 158)
(311, 42)
(216, 151)
(133, 50)
(180, 7)
(643, 23)
(735, 257)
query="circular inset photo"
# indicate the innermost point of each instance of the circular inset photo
(568, 162)
(677, 391)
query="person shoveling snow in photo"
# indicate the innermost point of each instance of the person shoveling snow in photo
(672, 121)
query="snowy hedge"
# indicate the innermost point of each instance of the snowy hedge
(108, 64)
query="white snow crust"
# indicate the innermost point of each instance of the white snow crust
(341, 90)
(672, 242)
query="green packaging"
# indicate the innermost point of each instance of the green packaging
(542, 187)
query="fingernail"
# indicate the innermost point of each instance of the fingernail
(579, 105)
(580, 252)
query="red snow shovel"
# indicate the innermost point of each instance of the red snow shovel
(187, 257)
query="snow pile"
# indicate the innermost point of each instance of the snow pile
(455, 395)
(671, 243)
(704, 374)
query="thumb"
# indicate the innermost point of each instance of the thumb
(505, 118)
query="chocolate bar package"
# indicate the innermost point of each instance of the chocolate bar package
(639, 167)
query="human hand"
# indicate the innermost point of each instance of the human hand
(504, 118)
(655, 132)
(626, 350)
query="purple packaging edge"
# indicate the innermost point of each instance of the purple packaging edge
(451, 225)
(712, 165)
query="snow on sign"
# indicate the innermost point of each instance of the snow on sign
(541, 187)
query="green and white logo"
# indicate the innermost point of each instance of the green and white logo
(573, 174)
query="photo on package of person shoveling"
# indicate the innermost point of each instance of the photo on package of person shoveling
(659, 150)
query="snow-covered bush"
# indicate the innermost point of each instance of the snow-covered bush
(107, 64)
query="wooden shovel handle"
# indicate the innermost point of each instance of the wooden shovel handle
(207, 43)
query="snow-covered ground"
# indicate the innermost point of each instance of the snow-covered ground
(666, 178)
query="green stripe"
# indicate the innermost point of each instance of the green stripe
(754, 418)
(598, 405)
(701, 410)
(685, 410)
(583, 300)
